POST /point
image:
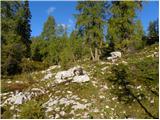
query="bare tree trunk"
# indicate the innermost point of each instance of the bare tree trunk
(96, 54)
(93, 58)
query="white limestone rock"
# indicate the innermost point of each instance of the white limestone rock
(62, 113)
(47, 76)
(81, 78)
(114, 55)
(18, 99)
(70, 74)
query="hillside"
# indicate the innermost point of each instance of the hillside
(127, 88)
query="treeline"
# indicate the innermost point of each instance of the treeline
(101, 27)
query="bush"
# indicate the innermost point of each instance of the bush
(11, 57)
(120, 78)
(146, 71)
(54, 49)
(32, 110)
(39, 49)
(66, 58)
(28, 65)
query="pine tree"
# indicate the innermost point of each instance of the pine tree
(49, 29)
(153, 32)
(24, 27)
(121, 23)
(153, 29)
(90, 23)
(136, 42)
(13, 48)
(27, 33)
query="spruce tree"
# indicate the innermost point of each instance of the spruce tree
(90, 23)
(121, 23)
(153, 32)
(12, 46)
(153, 29)
(27, 18)
(49, 29)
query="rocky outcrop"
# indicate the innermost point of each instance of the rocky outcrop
(76, 74)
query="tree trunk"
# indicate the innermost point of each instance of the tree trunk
(93, 58)
(96, 54)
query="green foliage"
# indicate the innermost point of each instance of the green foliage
(66, 58)
(11, 57)
(136, 42)
(121, 23)
(6, 113)
(153, 33)
(39, 49)
(77, 46)
(90, 23)
(15, 42)
(54, 48)
(146, 71)
(49, 29)
(28, 65)
(24, 27)
(153, 29)
(32, 110)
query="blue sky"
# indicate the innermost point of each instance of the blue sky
(63, 13)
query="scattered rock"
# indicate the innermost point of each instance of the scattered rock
(107, 106)
(138, 87)
(101, 96)
(114, 56)
(48, 76)
(72, 112)
(57, 116)
(57, 109)
(103, 69)
(114, 98)
(80, 79)
(156, 54)
(102, 63)
(152, 101)
(124, 62)
(9, 82)
(16, 99)
(112, 109)
(62, 113)
(69, 92)
(49, 109)
(105, 87)
(96, 110)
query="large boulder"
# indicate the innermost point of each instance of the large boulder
(77, 74)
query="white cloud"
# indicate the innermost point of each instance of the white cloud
(50, 10)
(64, 25)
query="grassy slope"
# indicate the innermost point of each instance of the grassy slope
(104, 103)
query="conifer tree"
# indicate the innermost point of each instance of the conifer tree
(121, 23)
(153, 29)
(90, 22)
(49, 29)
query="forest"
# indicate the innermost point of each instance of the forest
(102, 28)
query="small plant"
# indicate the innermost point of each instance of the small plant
(32, 110)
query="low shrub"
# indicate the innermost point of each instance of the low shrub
(32, 110)
(28, 65)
